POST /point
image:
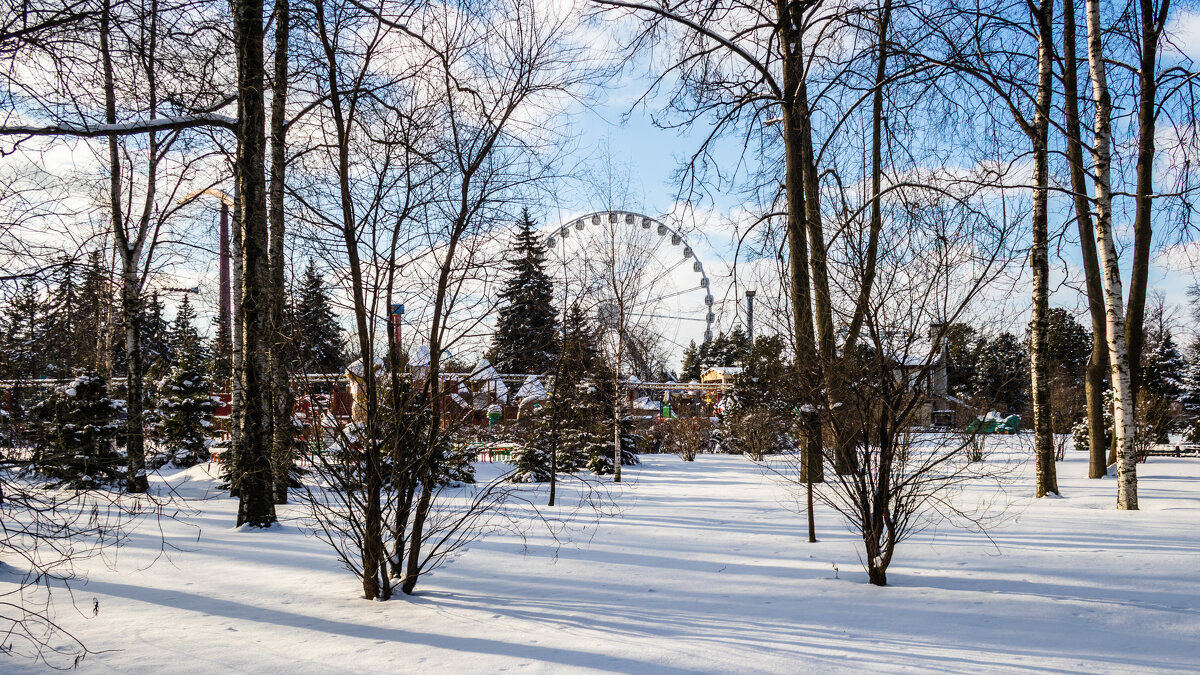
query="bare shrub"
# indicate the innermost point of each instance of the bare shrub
(685, 437)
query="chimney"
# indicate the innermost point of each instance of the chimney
(936, 328)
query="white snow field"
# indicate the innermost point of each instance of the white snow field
(705, 570)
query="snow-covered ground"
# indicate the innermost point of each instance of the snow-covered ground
(705, 570)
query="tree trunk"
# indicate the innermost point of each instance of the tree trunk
(236, 400)
(868, 273)
(1142, 227)
(375, 586)
(1039, 259)
(1094, 377)
(281, 394)
(617, 403)
(256, 507)
(1114, 312)
(806, 359)
(128, 252)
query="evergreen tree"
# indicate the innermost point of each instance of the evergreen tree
(758, 411)
(182, 336)
(181, 420)
(524, 341)
(1070, 345)
(1189, 394)
(317, 336)
(61, 351)
(575, 423)
(734, 351)
(25, 329)
(1163, 381)
(156, 342)
(1002, 373)
(76, 426)
(95, 301)
(1164, 369)
(961, 347)
(689, 368)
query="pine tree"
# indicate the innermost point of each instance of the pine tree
(574, 423)
(1190, 390)
(961, 353)
(317, 336)
(1164, 368)
(1070, 344)
(524, 341)
(1163, 379)
(758, 412)
(181, 421)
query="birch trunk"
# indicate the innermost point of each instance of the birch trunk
(1118, 355)
(129, 252)
(1039, 259)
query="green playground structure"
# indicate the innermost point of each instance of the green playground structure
(993, 425)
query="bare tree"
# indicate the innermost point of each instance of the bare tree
(443, 112)
(937, 261)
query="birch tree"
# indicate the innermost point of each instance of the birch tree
(1118, 354)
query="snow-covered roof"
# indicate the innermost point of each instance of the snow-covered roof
(485, 372)
(356, 368)
(531, 388)
(647, 403)
(421, 357)
(919, 352)
(724, 370)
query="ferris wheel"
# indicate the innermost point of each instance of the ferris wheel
(652, 266)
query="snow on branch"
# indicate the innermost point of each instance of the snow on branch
(124, 128)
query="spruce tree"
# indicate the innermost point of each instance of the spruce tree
(524, 341)
(181, 420)
(25, 333)
(61, 351)
(962, 346)
(155, 336)
(318, 338)
(1164, 368)
(95, 300)
(76, 426)
(1163, 381)
(574, 424)
(689, 368)
(1190, 390)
